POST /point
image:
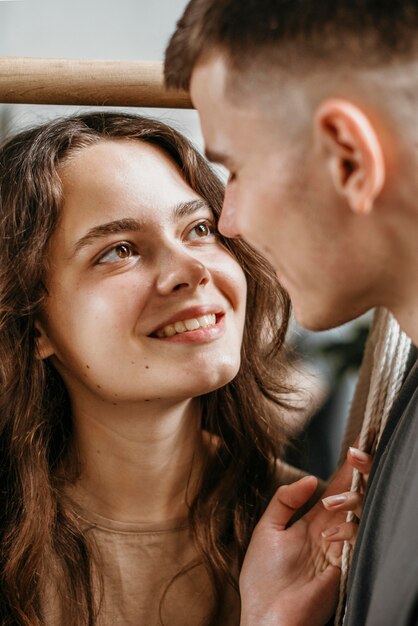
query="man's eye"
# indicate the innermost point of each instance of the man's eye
(204, 230)
(119, 252)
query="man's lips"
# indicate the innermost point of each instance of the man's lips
(189, 313)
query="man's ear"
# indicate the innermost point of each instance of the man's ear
(44, 348)
(352, 151)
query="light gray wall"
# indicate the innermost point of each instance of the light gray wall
(107, 29)
(94, 29)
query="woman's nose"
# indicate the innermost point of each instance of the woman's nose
(180, 270)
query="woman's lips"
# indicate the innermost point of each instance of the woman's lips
(198, 335)
(188, 314)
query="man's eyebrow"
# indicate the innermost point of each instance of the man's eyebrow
(180, 210)
(216, 157)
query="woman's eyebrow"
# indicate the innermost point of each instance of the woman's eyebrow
(180, 210)
(102, 230)
(184, 209)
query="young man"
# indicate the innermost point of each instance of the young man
(312, 107)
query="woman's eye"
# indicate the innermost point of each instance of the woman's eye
(203, 230)
(118, 253)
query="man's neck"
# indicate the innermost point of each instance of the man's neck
(408, 320)
(404, 304)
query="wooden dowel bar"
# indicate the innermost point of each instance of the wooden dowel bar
(26, 80)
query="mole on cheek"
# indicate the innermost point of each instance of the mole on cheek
(88, 367)
(147, 367)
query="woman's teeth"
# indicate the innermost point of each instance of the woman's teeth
(182, 327)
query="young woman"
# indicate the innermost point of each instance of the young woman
(141, 381)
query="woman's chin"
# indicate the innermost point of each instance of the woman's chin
(214, 380)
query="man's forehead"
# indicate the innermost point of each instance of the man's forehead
(207, 89)
(210, 67)
(214, 80)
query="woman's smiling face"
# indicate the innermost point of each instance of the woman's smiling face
(144, 301)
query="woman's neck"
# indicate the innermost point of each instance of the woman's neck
(141, 465)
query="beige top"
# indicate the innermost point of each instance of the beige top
(137, 563)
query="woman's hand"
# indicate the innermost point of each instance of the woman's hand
(349, 501)
(290, 575)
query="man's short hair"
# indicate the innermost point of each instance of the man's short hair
(282, 33)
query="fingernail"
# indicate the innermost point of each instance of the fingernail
(334, 500)
(330, 531)
(361, 457)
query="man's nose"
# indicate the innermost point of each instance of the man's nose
(180, 270)
(227, 224)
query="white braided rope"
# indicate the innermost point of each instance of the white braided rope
(390, 354)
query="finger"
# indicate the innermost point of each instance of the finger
(341, 481)
(348, 501)
(318, 515)
(287, 500)
(344, 532)
(361, 461)
(334, 551)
